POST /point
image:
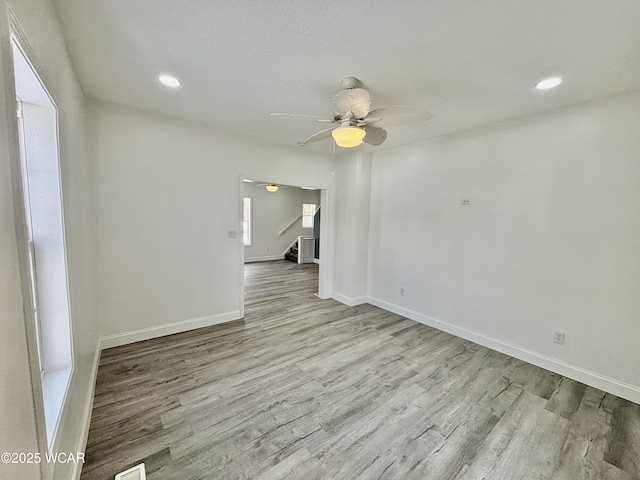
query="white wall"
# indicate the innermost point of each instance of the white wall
(353, 190)
(39, 26)
(550, 241)
(166, 193)
(272, 211)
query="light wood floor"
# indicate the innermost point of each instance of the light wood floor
(305, 388)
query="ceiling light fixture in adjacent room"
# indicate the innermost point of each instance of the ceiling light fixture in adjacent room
(548, 83)
(169, 81)
(348, 136)
(271, 188)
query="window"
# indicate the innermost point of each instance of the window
(246, 221)
(46, 262)
(308, 211)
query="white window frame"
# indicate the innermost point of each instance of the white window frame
(247, 224)
(55, 353)
(308, 220)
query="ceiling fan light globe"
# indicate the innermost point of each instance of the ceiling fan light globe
(271, 188)
(348, 137)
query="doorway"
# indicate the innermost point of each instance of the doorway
(274, 218)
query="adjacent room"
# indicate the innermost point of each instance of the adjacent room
(319, 240)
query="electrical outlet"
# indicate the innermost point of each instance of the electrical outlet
(558, 337)
(402, 291)
(466, 202)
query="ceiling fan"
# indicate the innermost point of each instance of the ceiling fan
(354, 120)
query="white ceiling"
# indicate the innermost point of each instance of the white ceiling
(469, 63)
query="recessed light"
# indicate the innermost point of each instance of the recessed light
(169, 81)
(548, 83)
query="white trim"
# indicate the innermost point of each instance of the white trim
(240, 245)
(86, 414)
(350, 301)
(53, 439)
(615, 387)
(316, 260)
(263, 259)
(168, 329)
(327, 242)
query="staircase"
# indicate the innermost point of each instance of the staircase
(292, 254)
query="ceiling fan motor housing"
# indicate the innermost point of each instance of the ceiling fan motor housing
(350, 82)
(353, 103)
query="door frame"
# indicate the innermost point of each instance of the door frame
(325, 270)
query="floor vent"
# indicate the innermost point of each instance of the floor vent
(135, 473)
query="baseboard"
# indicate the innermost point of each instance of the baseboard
(264, 259)
(168, 329)
(350, 301)
(574, 372)
(316, 260)
(86, 414)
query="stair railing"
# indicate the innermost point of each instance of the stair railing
(290, 224)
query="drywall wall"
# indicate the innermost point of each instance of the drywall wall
(272, 211)
(353, 190)
(549, 242)
(38, 26)
(166, 194)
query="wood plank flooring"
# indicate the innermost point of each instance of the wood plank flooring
(305, 388)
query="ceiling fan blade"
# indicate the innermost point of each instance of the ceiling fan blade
(375, 136)
(321, 135)
(397, 115)
(352, 103)
(299, 116)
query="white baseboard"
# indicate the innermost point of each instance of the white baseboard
(607, 384)
(86, 414)
(350, 301)
(169, 329)
(316, 260)
(263, 259)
